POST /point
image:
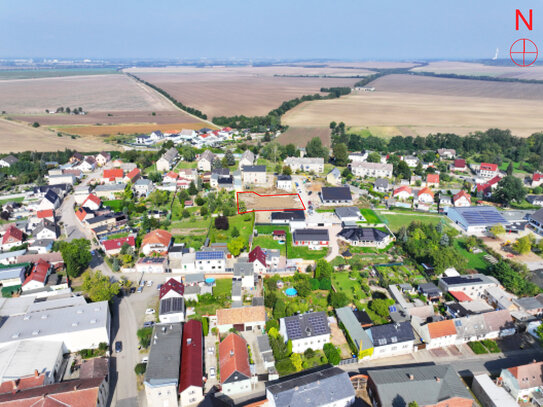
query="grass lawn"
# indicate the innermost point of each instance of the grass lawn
(370, 216)
(188, 223)
(516, 165)
(244, 223)
(475, 261)
(397, 220)
(5, 201)
(186, 164)
(351, 288)
(267, 242)
(115, 205)
(270, 165)
(477, 348)
(223, 286)
(291, 251)
(118, 235)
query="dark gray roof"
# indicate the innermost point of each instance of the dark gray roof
(51, 196)
(242, 269)
(10, 159)
(236, 288)
(529, 303)
(363, 234)
(534, 198)
(170, 155)
(194, 278)
(254, 168)
(323, 387)
(428, 288)
(347, 211)
(310, 235)
(284, 178)
(360, 338)
(396, 388)
(381, 183)
(221, 171)
(391, 333)
(288, 215)
(307, 325)
(336, 194)
(165, 355)
(537, 216)
(257, 301)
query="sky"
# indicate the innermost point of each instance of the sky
(278, 29)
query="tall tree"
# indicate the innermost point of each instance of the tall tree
(76, 255)
(509, 189)
(341, 156)
(314, 148)
(99, 287)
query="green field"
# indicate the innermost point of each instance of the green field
(351, 288)
(51, 73)
(5, 201)
(223, 286)
(370, 216)
(396, 220)
(115, 204)
(267, 242)
(475, 261)
(503, 167)
(186, 164)
(291, 251)
(244, 223)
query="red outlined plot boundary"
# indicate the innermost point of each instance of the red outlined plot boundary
(265, 196)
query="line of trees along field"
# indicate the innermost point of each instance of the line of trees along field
(180, 105)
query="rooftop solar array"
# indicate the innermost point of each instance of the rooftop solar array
(171, 305)
(307, 325)
(215, 255)
(481, 215)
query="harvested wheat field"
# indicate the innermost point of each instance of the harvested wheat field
(422, 103)
(299, 136)
(17, 137)
(227, 91)
(92, 93)
(477, 69)
(269, 200)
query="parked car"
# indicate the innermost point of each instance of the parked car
(147, 324)
(211, 372)
(132, 290)
(145, 359)
(149, 311)
(310, 192)
(149, 283)
(140, 289)
(142, 283)
(158, 287)
(211, 350)
(118, 346)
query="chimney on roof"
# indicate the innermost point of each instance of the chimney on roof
(76, 387)
(438, 379)
(14, 385)
(36, 373)
(231, 353)
(411, 377)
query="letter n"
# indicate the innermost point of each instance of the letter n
(519, 14)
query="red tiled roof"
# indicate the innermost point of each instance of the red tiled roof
(23, 383)
(257, 254)
(233, 357)
(39, 272)
(460, 163)
(489, 167)
(528, 376)
(461, 194)
(45, 213)
(172, 174)
(537, 176)
(113, 173)
(113, 244)
(172, 284)
(12, 232)
(426, 190)
(132, 175)
(441, 328)
(81, 213)
(71, 393)
(487, 185)
(403, 188)
(432, 178)
(279, 232)
(191, 370)
(92, 198)
(460, 296)
(157, 236)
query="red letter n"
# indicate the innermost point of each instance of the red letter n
(519, 14)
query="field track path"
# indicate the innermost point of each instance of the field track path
(151, 90)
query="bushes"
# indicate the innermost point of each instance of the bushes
(477, 348)
(144, 336)
(140, 368)
(331, 354)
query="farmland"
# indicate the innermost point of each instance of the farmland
(420, 105)
(17, 137)
(476, 69)
(301, 135)
(226, 91)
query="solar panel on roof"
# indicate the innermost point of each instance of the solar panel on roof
(209, 255)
